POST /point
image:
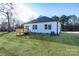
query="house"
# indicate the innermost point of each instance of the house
(44, 25)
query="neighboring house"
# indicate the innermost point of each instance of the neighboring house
(44, 25)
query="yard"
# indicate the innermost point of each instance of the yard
(39, 44)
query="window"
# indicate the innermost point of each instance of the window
(45, 26)
(27, 27)
(48, 27)
(34, 27)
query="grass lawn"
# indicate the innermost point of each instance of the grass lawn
(39, 44)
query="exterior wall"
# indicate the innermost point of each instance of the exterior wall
(41, 27)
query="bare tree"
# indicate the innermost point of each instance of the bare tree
(6, 10)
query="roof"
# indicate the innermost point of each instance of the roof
(41, 19)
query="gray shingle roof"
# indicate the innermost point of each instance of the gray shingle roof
(41, 19)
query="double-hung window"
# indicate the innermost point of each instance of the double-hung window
(34, 27)
(47, 26)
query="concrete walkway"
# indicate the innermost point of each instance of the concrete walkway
(71, 32)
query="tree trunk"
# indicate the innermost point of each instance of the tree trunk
(63, 28)
(8, 22)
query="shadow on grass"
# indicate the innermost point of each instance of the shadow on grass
(65, 39)
(3, 33)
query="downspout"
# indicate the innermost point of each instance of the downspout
(57, 27)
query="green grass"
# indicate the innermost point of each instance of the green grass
(39, 44)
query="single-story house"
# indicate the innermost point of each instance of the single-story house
(44, 25)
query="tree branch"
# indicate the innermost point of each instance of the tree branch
(3, 14)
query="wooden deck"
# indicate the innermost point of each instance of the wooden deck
(21, 31)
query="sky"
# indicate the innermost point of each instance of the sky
(27, 11)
